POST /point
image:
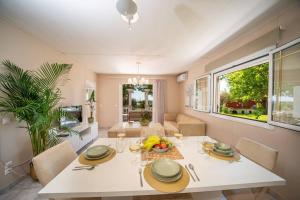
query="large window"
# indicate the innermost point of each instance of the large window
(285, 109)
(242, 90)
(201, 94)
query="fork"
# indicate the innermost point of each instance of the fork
(141, 179)
(81, 168)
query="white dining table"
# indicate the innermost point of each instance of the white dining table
(119, 177)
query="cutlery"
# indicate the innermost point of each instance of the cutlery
(189, 173)
(141, 179)
(192, 168)
(81, 168)
(85, 166)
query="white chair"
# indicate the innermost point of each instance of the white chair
(262, 155)
(52, 161)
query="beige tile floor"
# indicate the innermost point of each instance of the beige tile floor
(26, 189)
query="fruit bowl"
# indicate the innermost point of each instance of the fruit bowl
(157, 150)
(162, 147)
(157, 144)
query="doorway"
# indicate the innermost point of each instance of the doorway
(136, 101)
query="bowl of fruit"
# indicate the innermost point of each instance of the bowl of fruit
(157, 144)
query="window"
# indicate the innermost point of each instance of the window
(242, 90)
(201, 94)
(285, 91)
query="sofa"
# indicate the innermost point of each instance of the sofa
(136, 130)
(187, 125)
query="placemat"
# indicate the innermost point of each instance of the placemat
(173, 154)
(84, 161)
(172, 187)
(207, 147)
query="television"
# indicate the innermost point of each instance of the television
(72, 116)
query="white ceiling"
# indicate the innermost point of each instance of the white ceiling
(169, 35)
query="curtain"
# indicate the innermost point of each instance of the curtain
(159, 98)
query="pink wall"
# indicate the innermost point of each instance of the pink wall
(29, 53)
(259, 35)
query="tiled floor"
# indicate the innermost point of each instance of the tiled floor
(27, 189)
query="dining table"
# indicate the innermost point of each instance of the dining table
(119, 178)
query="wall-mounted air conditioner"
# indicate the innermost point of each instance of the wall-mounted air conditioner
(182, 77)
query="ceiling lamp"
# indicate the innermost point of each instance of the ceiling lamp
(138, 80)
(128, 11)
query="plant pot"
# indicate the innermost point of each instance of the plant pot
(32, 172)
(91, 120)
(144, 122)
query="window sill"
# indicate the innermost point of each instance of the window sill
(198, 110)
(245, 121)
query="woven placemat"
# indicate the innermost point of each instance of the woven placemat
(85, 161)
(173, 154)
(172, 187)
(207, 147)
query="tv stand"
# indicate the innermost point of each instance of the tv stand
(86, 133)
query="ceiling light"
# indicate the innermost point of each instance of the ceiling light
(138, 80)
(128, 11)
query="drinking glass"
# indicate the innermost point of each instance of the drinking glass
(137, 153)
(146, 156)
(120, 143)
(202, 141)
(179, 138)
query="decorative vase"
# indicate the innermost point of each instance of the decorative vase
(91, 120)
(32, 172)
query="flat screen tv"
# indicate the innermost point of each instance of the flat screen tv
(72, 116)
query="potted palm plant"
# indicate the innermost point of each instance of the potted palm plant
(32, 97)
(91, 103)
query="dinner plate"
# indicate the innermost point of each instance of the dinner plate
(97, 158)
(167, 179)
(222, 146)
(222, 154)
(165, 167)
(230, 151)
(97, 151)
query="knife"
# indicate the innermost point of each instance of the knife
(189, 173)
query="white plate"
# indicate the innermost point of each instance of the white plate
(165, 167)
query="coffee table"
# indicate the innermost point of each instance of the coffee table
(135, 129)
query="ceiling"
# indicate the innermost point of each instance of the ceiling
(169, 35)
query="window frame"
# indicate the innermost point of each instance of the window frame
(243, 63)
(271, 87)
(208, 77)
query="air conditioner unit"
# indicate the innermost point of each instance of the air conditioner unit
(182, 77)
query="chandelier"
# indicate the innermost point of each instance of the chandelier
(128, 11)
(138, 80)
